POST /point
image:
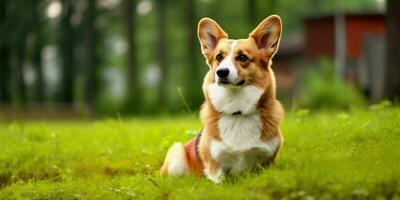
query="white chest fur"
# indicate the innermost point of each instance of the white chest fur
(240, 146)
(228, 101)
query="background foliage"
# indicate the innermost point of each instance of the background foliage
(129, 56)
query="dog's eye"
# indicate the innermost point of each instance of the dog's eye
(219, 57)
(242, 58)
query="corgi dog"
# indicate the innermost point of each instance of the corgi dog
(241, 116)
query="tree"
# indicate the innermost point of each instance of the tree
(18, 45)
(251, 12)
(38, 32)
(392, 66)
(161, 39)
(193, 81)
(91, 58)
(5, 95)
(66, 49)
(133, 97)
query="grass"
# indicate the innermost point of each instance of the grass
(326, 155)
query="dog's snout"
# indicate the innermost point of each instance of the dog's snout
(223, 73)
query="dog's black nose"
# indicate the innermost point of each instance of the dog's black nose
(223, 73)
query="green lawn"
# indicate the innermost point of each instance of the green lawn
(331, 155)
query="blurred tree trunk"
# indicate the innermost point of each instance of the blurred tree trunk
(161, 19)
(273, 5)
(17, 28)
(133, 94)
(19, 68)
(259, 10)
(66, 49)
(90, 53)
(193, 78)
(37, 62)
(392, 68)
(5, 96)
(37, 52)
(251, 13)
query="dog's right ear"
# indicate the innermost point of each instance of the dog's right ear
(209, 33)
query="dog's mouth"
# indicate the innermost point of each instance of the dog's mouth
(226, 82)
(240, 83)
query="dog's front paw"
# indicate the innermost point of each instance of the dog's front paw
(216, 177)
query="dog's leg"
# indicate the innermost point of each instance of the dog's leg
(271, 159)
(175, 162)
(214, 172)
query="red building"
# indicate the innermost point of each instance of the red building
(320, 33)
(355, 42)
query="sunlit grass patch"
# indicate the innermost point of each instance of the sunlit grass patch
(333, 155)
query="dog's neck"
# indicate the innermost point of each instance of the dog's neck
(234, 101)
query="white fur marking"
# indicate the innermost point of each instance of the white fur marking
(218, 177)
(228, 63)
(240, 131)
(237, 156)
(176, 159)
(230, 100)
(241, 146)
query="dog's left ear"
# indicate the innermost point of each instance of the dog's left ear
(268, 34)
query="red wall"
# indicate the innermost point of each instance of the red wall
(356, 29)
(320, 34)
(319, 38)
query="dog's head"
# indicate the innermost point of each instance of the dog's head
(237, 63)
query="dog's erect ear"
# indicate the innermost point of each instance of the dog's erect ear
(209, 33)
(268, 34)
